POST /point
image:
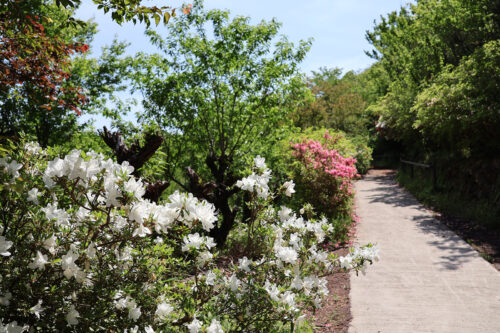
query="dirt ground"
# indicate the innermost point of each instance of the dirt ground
(335, 314)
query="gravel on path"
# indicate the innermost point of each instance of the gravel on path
(427, 279)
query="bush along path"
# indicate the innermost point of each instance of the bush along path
(83, 249)
(428, 279)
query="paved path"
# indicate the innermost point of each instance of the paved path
(427, 279)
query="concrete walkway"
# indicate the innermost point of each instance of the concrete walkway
(427, 279)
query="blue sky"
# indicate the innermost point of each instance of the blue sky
(337, 26)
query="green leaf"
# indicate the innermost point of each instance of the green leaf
(166, 17)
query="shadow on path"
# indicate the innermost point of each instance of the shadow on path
(387, 191)
(456, 254)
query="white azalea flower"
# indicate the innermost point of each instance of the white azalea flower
(70, 269)
(289, 187)
(244, 264)
(33, 195)
(4, 246)
(134, 313)
(119, 222)
(233, 282)
(192, 241)
(37, 309)
(136, 187)
(205, 212)
(209, 242)
(210, 278)
(32, 147)
(72, 316)
(285, 213)
(194, 326)
(50, 244)
(139, 211)
(215, 327)
(39, 261)
(260, 162)
(286, 254)
(163, 310)
(141, 231)
(288, 298)
(272, 290)
(13, 168)
(204, 257)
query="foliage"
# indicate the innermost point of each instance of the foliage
(220, 86)
(419, 42)
(340, 101)
(442, 103)
(80, 249)
(35, 65)
(102, 78)
(448, 198)
(121, 10)
(459, 108)
(29, 109)
(423, 37)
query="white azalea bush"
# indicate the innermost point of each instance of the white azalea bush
(81, 250)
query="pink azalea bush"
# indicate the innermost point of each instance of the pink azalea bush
(324, 178)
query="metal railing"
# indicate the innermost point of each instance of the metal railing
(421, 165)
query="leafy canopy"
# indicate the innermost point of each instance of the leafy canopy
(221, 85)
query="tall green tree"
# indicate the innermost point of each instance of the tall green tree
(415, 44)
(441, 105)
(220, 89)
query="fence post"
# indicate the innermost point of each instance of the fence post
(434, 176)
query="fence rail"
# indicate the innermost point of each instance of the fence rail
(422, 165)
(416, 163)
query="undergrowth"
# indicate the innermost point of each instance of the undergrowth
(446, 201)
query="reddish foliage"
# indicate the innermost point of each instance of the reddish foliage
(187, 9)
(30, 59)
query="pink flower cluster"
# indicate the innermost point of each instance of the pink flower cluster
(315, 155)
(326, 176)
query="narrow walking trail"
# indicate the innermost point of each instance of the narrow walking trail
(427, 279)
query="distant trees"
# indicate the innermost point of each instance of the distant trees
(339, 101)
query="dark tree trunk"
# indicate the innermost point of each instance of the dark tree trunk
(218, 193)
(136, 156)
